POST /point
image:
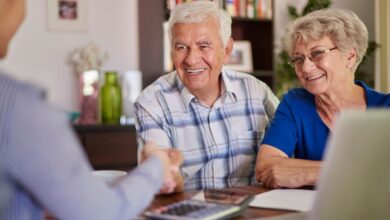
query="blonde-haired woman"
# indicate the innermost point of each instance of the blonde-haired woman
(326, 47)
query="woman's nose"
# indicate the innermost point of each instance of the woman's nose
(307, 65)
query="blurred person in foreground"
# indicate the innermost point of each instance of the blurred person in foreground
(215, 117)
(326, 47)
(42, 165)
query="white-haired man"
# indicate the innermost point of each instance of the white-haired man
(215, 117)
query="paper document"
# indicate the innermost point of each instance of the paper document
(288, 199)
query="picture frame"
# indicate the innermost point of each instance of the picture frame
(241, 57)
(67, 15)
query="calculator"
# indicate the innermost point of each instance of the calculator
(218, 207)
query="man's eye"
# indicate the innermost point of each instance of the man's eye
(204, 46)
(180, 47)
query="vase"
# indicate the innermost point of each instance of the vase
(89, 93)
(111, 99)
(131, 83)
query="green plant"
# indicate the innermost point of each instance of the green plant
(285, 73)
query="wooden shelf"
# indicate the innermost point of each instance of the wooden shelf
(109, 146)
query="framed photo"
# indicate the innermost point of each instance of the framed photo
(241, 58)
(67, 15)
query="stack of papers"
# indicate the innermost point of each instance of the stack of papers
(287, 199)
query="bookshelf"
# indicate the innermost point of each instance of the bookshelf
(259, 31)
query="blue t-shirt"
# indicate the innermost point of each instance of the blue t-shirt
(297, 128)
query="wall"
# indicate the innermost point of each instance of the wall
(382, 66)
(40, 56)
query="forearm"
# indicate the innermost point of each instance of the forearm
(307, 169)
(276, 170)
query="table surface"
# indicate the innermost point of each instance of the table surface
(250, 213)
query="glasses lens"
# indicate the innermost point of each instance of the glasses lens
(297, 60)
(316, 55)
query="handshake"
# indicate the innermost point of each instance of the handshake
(172, 160)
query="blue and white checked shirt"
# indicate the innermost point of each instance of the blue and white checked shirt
(220, 143)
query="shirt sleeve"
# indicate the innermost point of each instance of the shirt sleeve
(151, 125)
(47, 161)
(271, 102)
(282, 133)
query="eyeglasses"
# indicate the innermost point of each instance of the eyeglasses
(314, 56)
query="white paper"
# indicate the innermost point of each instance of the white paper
(288, 199)
(199, 196)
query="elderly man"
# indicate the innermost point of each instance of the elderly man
(214, 116)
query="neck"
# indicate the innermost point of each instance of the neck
(209, 96)
(330, 104)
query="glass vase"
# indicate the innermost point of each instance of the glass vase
(111, 99)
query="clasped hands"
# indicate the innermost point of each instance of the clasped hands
(172, 160)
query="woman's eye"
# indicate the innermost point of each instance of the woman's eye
(316, 54)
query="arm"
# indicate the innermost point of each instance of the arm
(45, 160)
(274, 169)
(151, 127)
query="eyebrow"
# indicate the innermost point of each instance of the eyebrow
(310, 50)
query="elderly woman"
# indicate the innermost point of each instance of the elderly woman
(326, 47)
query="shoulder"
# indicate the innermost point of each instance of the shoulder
(164, 85)
(235, 76)
(298, 95)
(12, 90)
(298, 99)
(375, 98)
(246, 84)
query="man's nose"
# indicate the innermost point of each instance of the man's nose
(193, 56)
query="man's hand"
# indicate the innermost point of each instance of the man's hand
(176, 159)
(172, 159)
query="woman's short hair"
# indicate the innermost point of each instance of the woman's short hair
(344, 28)
(201, 12)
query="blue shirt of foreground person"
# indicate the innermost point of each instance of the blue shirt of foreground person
(326, 47)
(214, 116)
(42, 166)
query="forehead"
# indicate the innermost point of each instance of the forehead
(310, 44)
(183, 31)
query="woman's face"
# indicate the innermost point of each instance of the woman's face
(321, 67)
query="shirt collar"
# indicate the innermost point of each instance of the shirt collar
(228, 91)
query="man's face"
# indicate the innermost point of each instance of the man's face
(198, 55)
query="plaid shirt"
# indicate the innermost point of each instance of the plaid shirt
(219, 143)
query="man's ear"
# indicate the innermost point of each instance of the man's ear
(228, 50)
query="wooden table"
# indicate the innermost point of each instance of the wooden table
(250, 213)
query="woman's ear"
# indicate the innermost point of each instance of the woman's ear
(228, 50)
(351, 58)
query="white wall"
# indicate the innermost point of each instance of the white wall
(40, 56)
